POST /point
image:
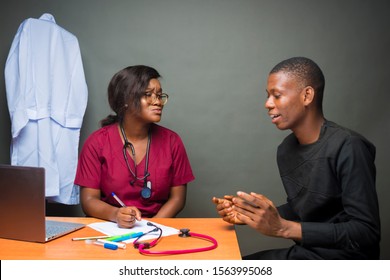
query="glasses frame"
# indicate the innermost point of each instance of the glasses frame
(151, 97)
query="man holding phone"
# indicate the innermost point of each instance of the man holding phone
(328, 173)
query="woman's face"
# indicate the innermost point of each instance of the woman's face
(151, 107)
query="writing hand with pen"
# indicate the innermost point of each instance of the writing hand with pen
(126, 215)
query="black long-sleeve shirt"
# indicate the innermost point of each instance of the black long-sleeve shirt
(330, 188)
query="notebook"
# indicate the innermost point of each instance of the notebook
(23, 209)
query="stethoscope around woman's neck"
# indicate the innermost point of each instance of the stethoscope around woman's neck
(146, 191)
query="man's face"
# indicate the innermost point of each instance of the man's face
(285, 101)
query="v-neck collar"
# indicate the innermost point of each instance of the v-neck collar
(119, 151)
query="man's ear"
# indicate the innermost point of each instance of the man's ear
(308, 95)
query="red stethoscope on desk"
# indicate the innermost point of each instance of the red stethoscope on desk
(143, 247)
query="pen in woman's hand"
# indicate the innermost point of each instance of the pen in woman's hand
(118, 199)
(123, 205)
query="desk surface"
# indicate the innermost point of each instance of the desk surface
(64, 248)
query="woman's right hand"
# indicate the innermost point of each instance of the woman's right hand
(93, 206)
(127, 216)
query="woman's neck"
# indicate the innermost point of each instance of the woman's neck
(135, 131)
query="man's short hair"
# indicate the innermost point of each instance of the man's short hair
(306, 72)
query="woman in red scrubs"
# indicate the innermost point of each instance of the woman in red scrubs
(144, 164)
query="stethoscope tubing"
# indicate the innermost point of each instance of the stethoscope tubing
(183, 251)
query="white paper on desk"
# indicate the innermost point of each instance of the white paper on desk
(111, 228)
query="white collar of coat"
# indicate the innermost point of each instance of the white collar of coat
(47, 17)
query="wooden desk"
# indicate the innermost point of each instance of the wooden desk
(64, 248)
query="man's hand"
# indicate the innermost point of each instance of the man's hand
(258, 212)
(224, 209)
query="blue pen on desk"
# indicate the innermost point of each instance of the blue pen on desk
(107, 244)
(118, 199)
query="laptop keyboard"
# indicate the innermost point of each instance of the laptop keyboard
(54, 228)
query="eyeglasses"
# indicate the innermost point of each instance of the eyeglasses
(152, 97)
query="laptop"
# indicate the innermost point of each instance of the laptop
(23, 206)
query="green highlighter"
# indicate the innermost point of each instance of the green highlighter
(119, 238)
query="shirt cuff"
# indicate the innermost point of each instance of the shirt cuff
(317, 234)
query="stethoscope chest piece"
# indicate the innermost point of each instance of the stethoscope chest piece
(146, 191)
(184, 232)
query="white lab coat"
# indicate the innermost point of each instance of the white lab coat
(47, 97)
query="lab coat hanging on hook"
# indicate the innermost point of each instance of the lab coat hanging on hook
(47, 98)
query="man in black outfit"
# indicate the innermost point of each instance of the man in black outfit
(328, 173)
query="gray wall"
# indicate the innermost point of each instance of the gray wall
(214, 57)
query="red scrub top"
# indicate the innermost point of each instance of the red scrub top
(102, 166)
